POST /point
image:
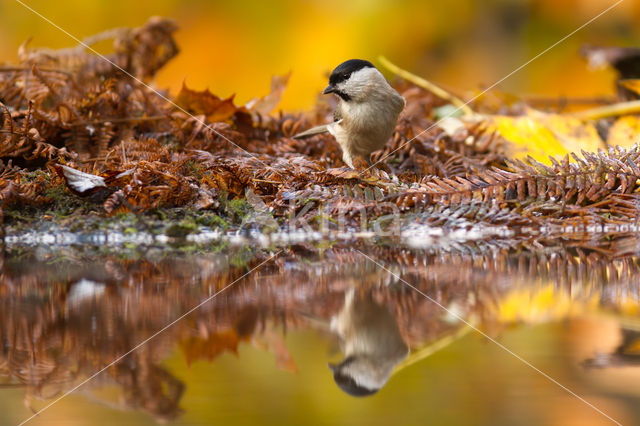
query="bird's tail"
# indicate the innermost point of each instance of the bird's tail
(313, 131)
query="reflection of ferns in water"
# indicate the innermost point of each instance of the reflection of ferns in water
(49, 348)
(50, 351)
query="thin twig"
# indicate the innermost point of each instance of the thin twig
(622, 108)
(120, 120)
(90, 160)
(430, 349)
(265, 181)
(566, 100)
(18, 69)
(427, 85)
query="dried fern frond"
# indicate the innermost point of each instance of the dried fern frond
(586, 180)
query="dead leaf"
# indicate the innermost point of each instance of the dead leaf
(272, 341)
(205, 200)
(626, 60)
(80, 181)
(206, 103)
(453, 127)
(196, 348)
(624, 132)
(632, 84)
(542, 135)
(268, 103)
(344, 173)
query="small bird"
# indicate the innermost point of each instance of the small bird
(367, 112)
(371, 342)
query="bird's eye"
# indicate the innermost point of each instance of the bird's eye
(346, 76)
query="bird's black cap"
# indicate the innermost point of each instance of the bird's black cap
(350, 387)
(346, 382)
(345, 69)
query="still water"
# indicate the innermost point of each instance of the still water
(340, 335)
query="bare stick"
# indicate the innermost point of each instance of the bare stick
(622, 108)
(427, 85)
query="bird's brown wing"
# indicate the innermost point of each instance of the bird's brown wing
(312, 131)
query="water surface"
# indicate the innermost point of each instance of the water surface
(339, 337)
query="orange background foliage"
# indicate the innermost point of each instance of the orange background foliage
(235, 47)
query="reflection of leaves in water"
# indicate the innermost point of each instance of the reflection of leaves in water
(209, 345)
(52, 349)
(53, 341)
(626, 354)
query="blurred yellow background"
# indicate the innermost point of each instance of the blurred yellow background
(464, 45)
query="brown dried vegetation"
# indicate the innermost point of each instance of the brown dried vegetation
(72, 107)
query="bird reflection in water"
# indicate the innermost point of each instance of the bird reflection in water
(371, 342)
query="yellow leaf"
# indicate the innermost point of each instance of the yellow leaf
(542, 135)
(632, 84)
(624, 132)
(537, 305)
(633, 348)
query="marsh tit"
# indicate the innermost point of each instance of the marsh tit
(371, 342)
(367, 111)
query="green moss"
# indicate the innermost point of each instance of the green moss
(124, 217)
(159, 213)
(189, 249)
(57, 193)
(181, 229)
(243, 256)
(130, 231)
(239, 207)
(195, 169)
(212, 221)
(66, 211)
(35, 175)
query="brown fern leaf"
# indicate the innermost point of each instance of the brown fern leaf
(27, 142)
(140, 51)
(586, 180)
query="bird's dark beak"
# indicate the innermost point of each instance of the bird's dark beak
(330, 89)
(332, 367)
